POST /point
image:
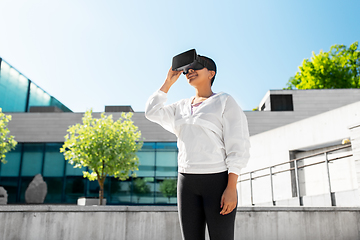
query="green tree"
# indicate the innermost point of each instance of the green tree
(169, 188)
(338, 68)
(104, 146)
(7, 142)
(140, 188)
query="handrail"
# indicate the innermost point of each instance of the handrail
(289, 169)
(296, 168)
(301, 158)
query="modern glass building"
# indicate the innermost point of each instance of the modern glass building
(38, 151)
(18, 93)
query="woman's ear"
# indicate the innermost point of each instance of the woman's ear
(212, 74)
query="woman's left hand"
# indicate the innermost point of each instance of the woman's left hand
(228, 200)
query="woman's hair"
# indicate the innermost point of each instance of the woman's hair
(210, 65)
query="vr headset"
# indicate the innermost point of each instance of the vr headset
(188, 60)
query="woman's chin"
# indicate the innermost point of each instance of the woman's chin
(191, 79)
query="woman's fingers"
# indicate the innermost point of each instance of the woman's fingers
(228, 208)
(223, 210)
(173, 76)
(228, 201)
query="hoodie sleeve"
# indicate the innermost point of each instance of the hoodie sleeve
(236, 136)
(157, 112)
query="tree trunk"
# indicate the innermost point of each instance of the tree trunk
(101, 192)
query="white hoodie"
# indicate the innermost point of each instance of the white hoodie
(213, 139)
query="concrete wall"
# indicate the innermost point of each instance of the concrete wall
(51, 127)
(161, 223)
(355, 144)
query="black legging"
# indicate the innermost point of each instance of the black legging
(199, 197)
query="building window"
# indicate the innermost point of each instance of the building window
(54, 161)
(11, 186)
(281, 102)
(65, 184)
(262, 107)
(13, 89)
(32, 159)
(13, 158)
(54, 189)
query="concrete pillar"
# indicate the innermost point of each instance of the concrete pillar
(355, 145)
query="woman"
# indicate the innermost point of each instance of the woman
(213, 142)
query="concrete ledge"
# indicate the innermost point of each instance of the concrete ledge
(117, 208)
(77, 208)
(30, 222)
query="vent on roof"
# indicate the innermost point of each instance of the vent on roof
(44, 109)
(118, 109)
(281, 102)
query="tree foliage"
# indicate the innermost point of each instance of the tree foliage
(104, 146)
(7, 142)
(169, 188)
(338, 68)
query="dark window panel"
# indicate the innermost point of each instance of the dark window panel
(281, 102)
(32, 159)
(262, 107)
(54, 189)
(11, 168)
(74, 189)
(54, 160)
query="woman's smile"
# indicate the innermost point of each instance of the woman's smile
(191, 75)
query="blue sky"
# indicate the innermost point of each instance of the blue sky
(89, 54)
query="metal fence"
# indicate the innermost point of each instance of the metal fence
(294, 167)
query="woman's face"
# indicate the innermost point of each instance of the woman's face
(199, 77)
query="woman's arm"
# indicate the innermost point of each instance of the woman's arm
(237, 144)
(235, 136)
(155, 109)
(171, 78)
(229, 197)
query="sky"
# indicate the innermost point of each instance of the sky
(92, 54)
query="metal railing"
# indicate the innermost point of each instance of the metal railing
(295, 168)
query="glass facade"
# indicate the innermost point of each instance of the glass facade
(157, 162)
(18, 94)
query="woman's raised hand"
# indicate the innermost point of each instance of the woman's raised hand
(171, 78)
